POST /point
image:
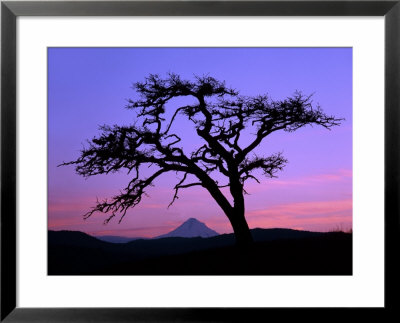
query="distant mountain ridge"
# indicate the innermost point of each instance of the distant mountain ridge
(81, 239)
(117, 239)
(191, 228)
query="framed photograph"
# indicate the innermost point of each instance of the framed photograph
(198, 161)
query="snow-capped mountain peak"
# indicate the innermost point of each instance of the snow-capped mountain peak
(191, 228)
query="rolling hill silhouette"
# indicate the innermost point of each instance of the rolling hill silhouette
(117, 239)
(275, 251)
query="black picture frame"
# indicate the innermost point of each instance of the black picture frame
(10, 10)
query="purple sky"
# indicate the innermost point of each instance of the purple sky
(88, 87)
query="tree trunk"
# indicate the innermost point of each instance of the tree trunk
(235, 214)
(241, 229)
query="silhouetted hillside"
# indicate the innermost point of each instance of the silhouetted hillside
(275, 251)
(116, 239)
(328, 254)
(74, 238)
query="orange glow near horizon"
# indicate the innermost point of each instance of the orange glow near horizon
(310, 215)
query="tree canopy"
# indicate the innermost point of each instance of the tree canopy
(220, 116)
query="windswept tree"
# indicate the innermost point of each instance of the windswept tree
(219, 116)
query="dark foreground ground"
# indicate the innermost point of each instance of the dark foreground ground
(275, 252)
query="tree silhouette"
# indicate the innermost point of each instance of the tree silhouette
(219, 116)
